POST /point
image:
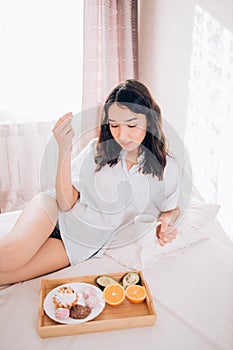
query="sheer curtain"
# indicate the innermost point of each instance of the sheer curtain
(41, 51)
(110, 53)
(22, 145)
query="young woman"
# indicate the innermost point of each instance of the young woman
(124, 172)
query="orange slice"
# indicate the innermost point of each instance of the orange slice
(114, 294)
(136, 294)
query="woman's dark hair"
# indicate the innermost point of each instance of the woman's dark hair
(136, 97)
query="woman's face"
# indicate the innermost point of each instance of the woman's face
(127, 128)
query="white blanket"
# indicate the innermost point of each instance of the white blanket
(192, 293)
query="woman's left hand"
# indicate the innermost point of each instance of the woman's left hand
(165, 232)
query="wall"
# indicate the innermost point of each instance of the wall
(165, 58)
(165, 48)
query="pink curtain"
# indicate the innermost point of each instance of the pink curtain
(110, 51)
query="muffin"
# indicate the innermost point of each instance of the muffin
(65, 297)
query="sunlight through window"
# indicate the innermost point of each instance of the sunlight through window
(41, 45)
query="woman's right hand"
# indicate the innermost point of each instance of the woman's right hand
(63, 132)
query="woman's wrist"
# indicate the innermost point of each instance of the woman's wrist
(170, 216)
(64, 153)
(64, 186)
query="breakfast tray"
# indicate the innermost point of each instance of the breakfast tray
(126, 315)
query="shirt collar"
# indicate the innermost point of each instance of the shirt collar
(140, 159)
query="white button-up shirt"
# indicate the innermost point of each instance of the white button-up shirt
(110, 198)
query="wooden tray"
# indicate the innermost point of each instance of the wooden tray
(126, 315)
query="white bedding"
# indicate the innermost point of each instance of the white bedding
(192, 293)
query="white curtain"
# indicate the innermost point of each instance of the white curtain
(110, 56)
(22, 146)
(41, 52)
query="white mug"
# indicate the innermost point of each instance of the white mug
(145, 223)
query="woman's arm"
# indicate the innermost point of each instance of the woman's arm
(66, 193)
(166, 232)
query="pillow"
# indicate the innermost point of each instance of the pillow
(197, 215)
(140, 253)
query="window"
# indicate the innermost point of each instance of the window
(41, 45)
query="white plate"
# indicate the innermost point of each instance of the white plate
(50, 308)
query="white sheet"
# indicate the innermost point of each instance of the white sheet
(192, 292)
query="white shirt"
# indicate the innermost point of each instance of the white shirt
(110, 198)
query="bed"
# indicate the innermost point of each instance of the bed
(191, 284)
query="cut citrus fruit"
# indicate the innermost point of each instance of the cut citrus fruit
(135, 293)
(114, 294)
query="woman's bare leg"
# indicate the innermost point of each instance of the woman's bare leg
(30, 232)
(50, 257)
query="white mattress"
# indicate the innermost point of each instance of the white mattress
(192, 293)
